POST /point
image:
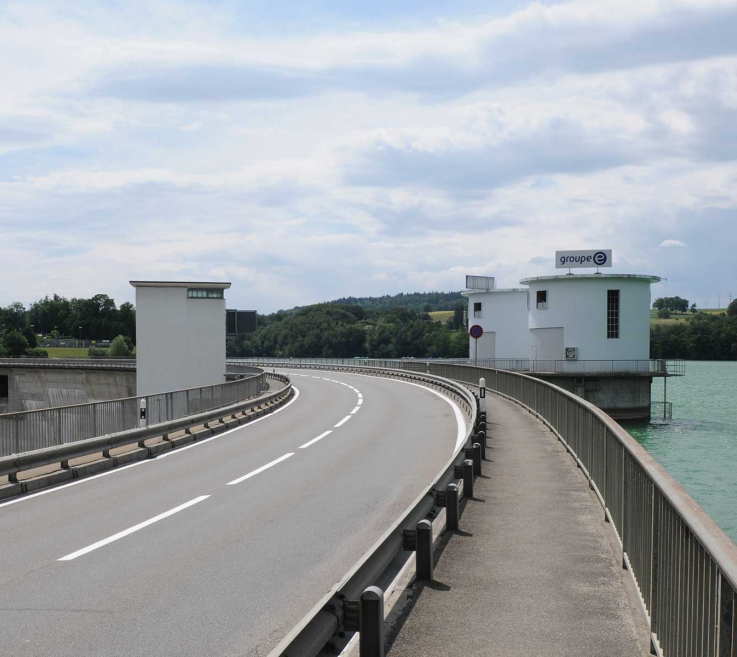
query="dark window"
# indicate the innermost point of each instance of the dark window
(477, 309)
(204, 293)
(3, 386)
(612, 313)
(542, 299)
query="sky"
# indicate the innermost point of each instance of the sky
(311, 150)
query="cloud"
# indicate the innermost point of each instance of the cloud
(670, 244)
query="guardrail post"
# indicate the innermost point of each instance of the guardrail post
(371, 623)
(481, 440)
(452, 508)
(482, 395)
(477, 458)
(468, 478)
(423, 554)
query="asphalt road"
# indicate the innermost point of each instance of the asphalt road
(220, 548)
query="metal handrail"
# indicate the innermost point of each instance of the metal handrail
(47, 427)
(71, 363)
(682, 562)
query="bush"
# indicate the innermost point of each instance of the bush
(663, 313)
(119, 348)
(14, 343)
(30, 336)
(96, 353)
(37, 353)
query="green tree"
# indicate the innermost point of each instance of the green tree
(732, 309)
(14, 343)
(664, 313)
(118, 348)
(30, 335)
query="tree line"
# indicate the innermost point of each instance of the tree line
(333, 330)
(704, 336)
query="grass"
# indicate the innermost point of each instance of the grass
(675, 318)
(441, 315)
(66, 352)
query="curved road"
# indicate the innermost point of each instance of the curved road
(221, 547)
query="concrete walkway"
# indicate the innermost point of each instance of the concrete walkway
(540, 571)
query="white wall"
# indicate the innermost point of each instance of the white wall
(180, 342)
(504, 314)
(579, 306)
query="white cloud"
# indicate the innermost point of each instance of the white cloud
(669, 244)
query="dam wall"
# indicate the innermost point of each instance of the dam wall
(29, 388)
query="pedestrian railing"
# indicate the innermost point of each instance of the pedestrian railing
(72, 363)
(683, 564)
(31, 430)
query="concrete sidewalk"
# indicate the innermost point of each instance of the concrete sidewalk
(540, 571)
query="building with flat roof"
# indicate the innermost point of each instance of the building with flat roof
(180, 335)
(502, 313)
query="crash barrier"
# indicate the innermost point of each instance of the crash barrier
(225, 417)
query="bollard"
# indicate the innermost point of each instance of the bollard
(468, 478)
(482, 395)
(371, 623)
(423, 555)
(452, 508)
(481, 440)
(476, 459)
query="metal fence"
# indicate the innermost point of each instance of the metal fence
(72, 363)
(683, 564)
(657, 367)
(29, 430)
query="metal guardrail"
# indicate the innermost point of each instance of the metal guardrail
(72, 363)
(331, 616)
(683, 565)
(657, 367)
(32, 430)
(12, 464)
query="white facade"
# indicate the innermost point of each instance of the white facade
(602, 316)
(503, 316)
(180, 335)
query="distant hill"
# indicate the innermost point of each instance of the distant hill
(417, 301)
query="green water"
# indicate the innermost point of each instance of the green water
(698, 447)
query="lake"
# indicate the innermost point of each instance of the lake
(698, 447)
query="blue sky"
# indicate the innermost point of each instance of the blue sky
(307, 151)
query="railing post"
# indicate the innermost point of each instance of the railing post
(423, 554)
(468, 478)
(371, 623)
(477, 458)
(452, 508)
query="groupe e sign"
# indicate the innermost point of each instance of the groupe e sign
(581, 259)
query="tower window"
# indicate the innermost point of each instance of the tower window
(612, 313)
(204, 293)
(477, 309)
(542, 299)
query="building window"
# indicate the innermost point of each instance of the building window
(612, 313)
(477, 310)
(542, 299)
(204, 293)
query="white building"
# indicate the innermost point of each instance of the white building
(600, 316)
(503, 316)
(180, 335)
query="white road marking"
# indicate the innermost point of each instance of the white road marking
(355, 410)
(343, 421)
(261, 469)
(314, 440)
(360, 401)
(135, 528)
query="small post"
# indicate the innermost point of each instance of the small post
(482, 395)
(142, 412)
(452, 508)
(481, 440)
(423, 555)
(371, 623)
(468, 478)
(477, 459)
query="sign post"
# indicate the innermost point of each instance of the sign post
(476, 332)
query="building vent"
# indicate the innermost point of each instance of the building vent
(571, 353)
(479, 282)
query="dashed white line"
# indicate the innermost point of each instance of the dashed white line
(135, 528)
(261, 469)
(314, 440)
(343, 421)
(355, 410)
(360, 401)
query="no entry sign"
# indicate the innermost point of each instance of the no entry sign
(476, 331)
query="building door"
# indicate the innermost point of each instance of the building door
(548, 343)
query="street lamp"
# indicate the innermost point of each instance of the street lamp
(80, 336)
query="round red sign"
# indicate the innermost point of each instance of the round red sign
(476, 331)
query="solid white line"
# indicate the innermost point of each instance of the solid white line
(130, 530)
(261, 469)
(343, 421)
(314, 440)
(355, 410)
